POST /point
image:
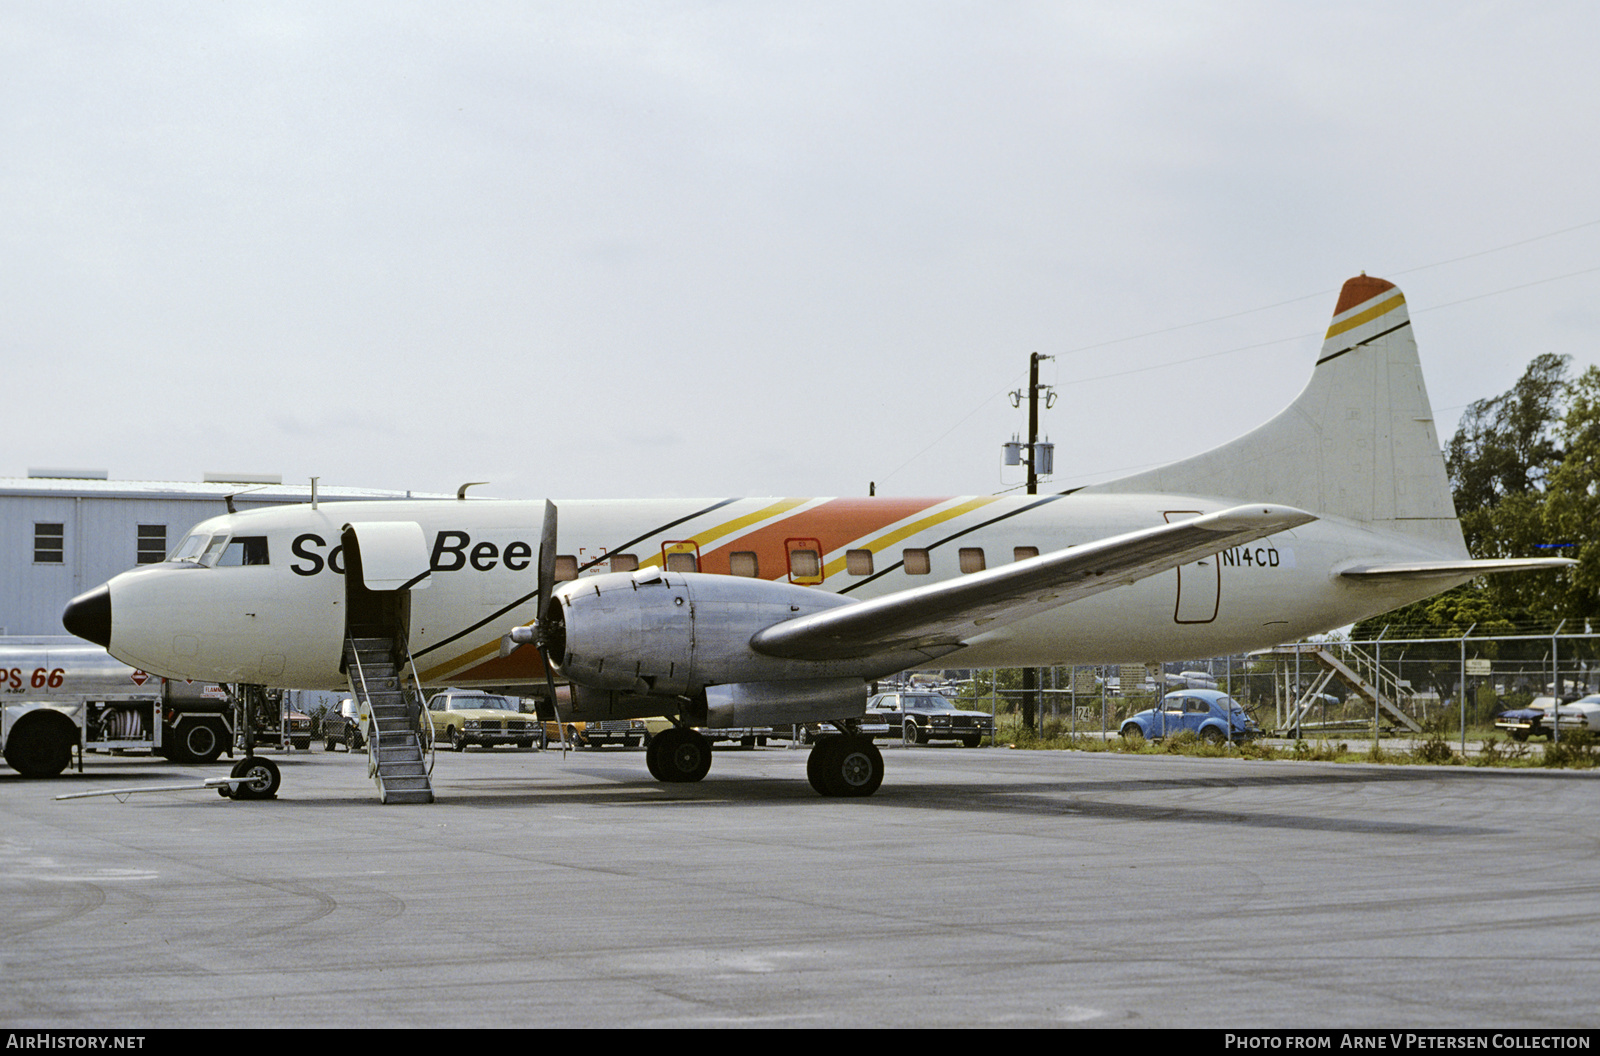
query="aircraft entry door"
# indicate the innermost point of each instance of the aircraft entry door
(384, 561)
(1199, 584)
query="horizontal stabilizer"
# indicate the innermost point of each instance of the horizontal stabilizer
(942, 615)
(1455, 569)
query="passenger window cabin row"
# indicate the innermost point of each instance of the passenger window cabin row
(805, 564)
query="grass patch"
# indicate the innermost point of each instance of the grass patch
(1435, 747)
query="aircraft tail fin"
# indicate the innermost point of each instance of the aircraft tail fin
(1358, 442)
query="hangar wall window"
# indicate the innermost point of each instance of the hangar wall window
(744, 563)
(624, 562)
(49, 543)
(858, 562)
(971, 559)
(152, 544)
(916, 562)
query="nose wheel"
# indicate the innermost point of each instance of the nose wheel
(261, 779)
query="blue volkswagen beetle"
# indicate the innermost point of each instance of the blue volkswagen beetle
(1212, 715)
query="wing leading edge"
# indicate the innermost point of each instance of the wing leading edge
(942, 615)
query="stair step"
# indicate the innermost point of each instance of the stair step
(374, 666)
(408, 796)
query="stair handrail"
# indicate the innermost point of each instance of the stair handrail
(364, 696)
(424, 726)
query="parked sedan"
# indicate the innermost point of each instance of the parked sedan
(1209, 713)
(343, 725)
(462, 717)
(924, 717)
(1581, 714)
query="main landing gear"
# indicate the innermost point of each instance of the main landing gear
(847, 764)
(678, 755)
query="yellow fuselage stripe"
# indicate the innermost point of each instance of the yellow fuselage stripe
(884, 542)
(700, 539)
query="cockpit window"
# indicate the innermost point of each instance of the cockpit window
(244, 550)
(189, 549)
(213, 550)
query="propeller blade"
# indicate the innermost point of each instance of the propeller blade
(547, 558)
(547, 582)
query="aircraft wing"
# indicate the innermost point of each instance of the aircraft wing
(942, 615)
(1454, 569)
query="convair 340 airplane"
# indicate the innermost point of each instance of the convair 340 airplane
(740, 612)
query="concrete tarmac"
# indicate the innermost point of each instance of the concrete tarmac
(982, 887)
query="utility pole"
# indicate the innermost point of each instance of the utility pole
(1033, 423)
(1040, 459)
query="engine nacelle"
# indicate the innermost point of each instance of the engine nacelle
(660, 633)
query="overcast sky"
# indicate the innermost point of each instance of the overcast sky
(706, 249)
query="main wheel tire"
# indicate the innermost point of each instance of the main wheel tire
(846, 766)
(652, 757)
(683, 756)
(261, 778)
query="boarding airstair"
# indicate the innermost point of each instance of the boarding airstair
(1359, 669)
(399, 740)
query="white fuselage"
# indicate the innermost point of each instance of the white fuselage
(283, 622)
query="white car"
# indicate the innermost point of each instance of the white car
(1581, 714)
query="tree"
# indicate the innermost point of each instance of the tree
(1572, 505)
(1525, 473)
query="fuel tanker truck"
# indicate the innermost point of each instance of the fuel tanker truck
(57, 692)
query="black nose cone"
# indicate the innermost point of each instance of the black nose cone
(89, 616)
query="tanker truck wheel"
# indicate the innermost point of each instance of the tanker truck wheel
(41, 746)
(199, 742)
